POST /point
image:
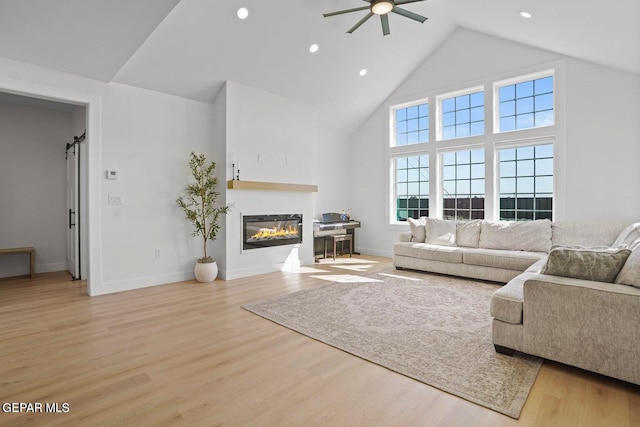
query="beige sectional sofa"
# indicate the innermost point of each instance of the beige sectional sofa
(558, 302)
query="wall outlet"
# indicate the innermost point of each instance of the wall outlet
(157, 253)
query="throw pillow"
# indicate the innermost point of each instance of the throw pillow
(597, 264)
(417, 228)
(533, 236)
(468, 233)
(630, 272)
(441, 232)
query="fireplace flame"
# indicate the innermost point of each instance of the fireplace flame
(276, 233)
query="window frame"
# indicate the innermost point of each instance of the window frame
(393, 126)
(514, 81)
(524, 143)
(455, 94)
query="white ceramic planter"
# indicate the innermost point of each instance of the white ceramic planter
(206, 271)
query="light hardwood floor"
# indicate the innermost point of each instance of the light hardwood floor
(186, 354)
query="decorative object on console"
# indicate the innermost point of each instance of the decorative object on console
(199, 206)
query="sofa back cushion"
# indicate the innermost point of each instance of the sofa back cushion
(532, 236)
(571, 233)
(441, 232)
(417, 229)
(468, 233)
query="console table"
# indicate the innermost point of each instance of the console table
(27, 250)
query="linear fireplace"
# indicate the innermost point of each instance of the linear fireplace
(261, 231)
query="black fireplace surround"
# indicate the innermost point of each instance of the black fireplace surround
(263, 231)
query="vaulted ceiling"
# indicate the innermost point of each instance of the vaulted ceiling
(190, 48)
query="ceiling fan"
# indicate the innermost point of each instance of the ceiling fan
(381, 8)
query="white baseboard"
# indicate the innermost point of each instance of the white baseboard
(141, 282)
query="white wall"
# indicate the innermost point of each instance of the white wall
(597, 143)
(603, 143)
(32, 187)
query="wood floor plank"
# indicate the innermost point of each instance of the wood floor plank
(187, 354)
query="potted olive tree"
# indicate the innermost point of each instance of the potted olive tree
(199, 205)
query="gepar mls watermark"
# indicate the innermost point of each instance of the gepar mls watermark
(36, 407)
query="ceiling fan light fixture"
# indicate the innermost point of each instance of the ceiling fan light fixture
(382, 7)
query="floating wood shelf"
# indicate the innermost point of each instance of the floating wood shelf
(270, 186)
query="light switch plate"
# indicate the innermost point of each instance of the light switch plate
(116, 199)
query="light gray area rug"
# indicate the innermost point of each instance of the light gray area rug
(435, 329)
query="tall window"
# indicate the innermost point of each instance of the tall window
(412, 124)
(526, 182)
(463, 115)
(525, 105)
(463, 184)
(412, 186)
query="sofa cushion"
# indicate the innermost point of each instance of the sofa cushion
(630, 272)
(440, 232)
(428, 252)
(510, 260)
(597, 264)
(468, 233)
(532, 236)
(417, 229)
(567, 233)
(507, 302)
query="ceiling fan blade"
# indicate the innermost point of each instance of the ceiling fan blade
(360, 22)
(399, 2)
(385, 24)
(408, 14)
(340, 12)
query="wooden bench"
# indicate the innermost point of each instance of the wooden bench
(28, 250)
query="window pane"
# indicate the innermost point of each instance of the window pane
(525, 167)
(544, 167)
(524, 89)
(544, 184)
(508, 123)
(507, 186)
(544, 102)
(525, 153)
(524, 105)
(462, 102)
(448, 105)
(506, 93)
(507, 169)
(477, 171)
(544, 118)
(544, 85)
(524, 121)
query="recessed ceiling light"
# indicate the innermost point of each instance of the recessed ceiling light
(363, 72)
(313, 48)
(525, 14)
(243, 13)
